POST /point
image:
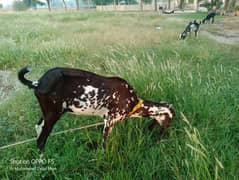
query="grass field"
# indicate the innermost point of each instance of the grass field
(198, 76)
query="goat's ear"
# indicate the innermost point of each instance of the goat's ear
(171, 108)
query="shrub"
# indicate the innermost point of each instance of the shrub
(19, 6)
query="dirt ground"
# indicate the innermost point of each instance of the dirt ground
(8, 84)
(224, 30)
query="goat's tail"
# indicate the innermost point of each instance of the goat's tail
(23, 80)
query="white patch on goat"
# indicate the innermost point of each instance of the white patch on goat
(82, 96)
(107, 97)
(89, 110)
(114, 95)
(90, 105)
(35, 83)
(159, 113)
(154, 109)
(117, 118)
(64, 105)
(163, 110)
(90, 89)
(39, 128)
(136, 115)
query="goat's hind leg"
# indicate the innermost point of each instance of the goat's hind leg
(46, 127)
(39, 126)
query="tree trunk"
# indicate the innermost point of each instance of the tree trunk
(181, 4)
(48, 4)
(141, 4)
(77, 5)
(155, 5)
(227, 2)
(196, 5)
(169, 4)
(88, 3)
(64, 3)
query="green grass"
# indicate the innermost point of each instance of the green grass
(198, 76)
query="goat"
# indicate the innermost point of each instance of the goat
(193, 26)
(209, 18)
(62, 90)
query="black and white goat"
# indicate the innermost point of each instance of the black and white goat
(193, 26)
(209, 18)
(62, 90)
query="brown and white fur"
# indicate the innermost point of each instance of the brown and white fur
(62, 90)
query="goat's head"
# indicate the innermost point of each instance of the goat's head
(183, 35)
(162, 113)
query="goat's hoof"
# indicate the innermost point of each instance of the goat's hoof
(40, 146)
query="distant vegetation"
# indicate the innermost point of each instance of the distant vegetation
(170, 4)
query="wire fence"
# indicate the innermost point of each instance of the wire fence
(53, 134)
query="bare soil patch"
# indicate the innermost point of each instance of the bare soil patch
(225, 30)
(8, 84)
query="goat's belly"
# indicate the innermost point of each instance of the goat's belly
(88, 110)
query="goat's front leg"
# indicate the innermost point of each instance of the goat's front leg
(165, 126)
(106, 131)
(212, 20)
(196, 33)
(153, 124)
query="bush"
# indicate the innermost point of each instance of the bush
(210, 6)
(19, 6)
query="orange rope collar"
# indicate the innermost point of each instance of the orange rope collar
(136, 107)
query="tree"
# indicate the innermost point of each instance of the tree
(227, 2)
(141, 4)
(77, 5)
(155, 5)
(181, 4)
(49, 4)
(196, 5)
(64, 3)
(19, 6)
(33, 3)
